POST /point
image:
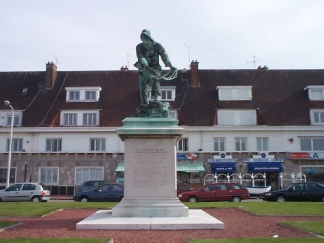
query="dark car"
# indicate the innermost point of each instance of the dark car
(25, 191)
(306, 191)
(184, 187)
(112, 192)
(216, 192)
(87, 185)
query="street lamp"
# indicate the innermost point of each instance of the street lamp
(7, 103)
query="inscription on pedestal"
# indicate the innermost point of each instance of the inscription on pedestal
(149, 168)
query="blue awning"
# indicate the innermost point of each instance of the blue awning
(223, 167)
(265, 167)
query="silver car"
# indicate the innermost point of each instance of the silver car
(25, 191)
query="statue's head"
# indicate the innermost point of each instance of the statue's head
(146, 36)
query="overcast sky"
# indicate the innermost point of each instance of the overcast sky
(219, 34)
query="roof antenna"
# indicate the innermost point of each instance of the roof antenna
(188, 52)
(56, 59)
(128, 60)
(254, 61)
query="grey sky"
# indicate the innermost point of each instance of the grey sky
(219, 34)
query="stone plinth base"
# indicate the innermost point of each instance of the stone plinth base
(149, 207)
(103, 219)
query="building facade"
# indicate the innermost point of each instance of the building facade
(236, 122)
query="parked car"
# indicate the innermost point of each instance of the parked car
(112, 192)
(184, 187)
(216, 192)
(307, 191)
(26, 191)
(88, 185)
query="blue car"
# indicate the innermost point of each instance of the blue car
(113, 192)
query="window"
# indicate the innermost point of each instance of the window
(97, 144)
(236, 117)
(262, 144)
(74, 95)
(167, 93)
(16, 145)
(234, 92)
(219, 144)
(183, 144)
(70, 119)
(90, 95)
(54, 144)
(240, 144)
(16, 120)
(317, 117)
(48, 175)
(88, 173)
(89, 119)
(82, 94)
(312, 144)
(3, 175)
(28, 187)
(315, 92)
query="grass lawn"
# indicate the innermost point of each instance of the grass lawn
(17, 209)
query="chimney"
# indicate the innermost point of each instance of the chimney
(51, 73)
(195, 81)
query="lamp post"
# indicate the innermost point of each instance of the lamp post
(7, 103)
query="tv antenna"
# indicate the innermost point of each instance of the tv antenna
(55, 58)
(188, 47)
(254, 61)
(128, 59)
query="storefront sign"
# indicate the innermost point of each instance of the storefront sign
(181, 156)
(305, 155)
(264, 160)
(222, 160)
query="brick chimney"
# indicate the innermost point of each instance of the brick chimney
(195, 81)
(51, 73)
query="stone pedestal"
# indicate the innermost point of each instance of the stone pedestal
(150, 169)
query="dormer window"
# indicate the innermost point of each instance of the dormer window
(82, 94)
(317, 116)
(167, 93)
(234, 93)
(79, 118)
(315, 92)
(235, 117)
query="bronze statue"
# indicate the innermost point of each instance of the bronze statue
(150, 71)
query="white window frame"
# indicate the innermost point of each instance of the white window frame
(163, 89)
(87, 173)
(317, 117)
(86, 94)
(89, 119)
(262, 143)
(219, 144)
(312, 143)
(49, 175)
(227, 93)
(97, 144)
(315, 92)
(17, 119)
(70, 119)
(16, 145)
(53, 144)
(236, 117)
(183, 144)
(241, 144)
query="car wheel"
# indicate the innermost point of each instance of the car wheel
(281, 198)
(236, 199)
(35, 199)
(192, 199)
(84, 199)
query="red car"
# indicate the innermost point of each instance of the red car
(216, 192)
